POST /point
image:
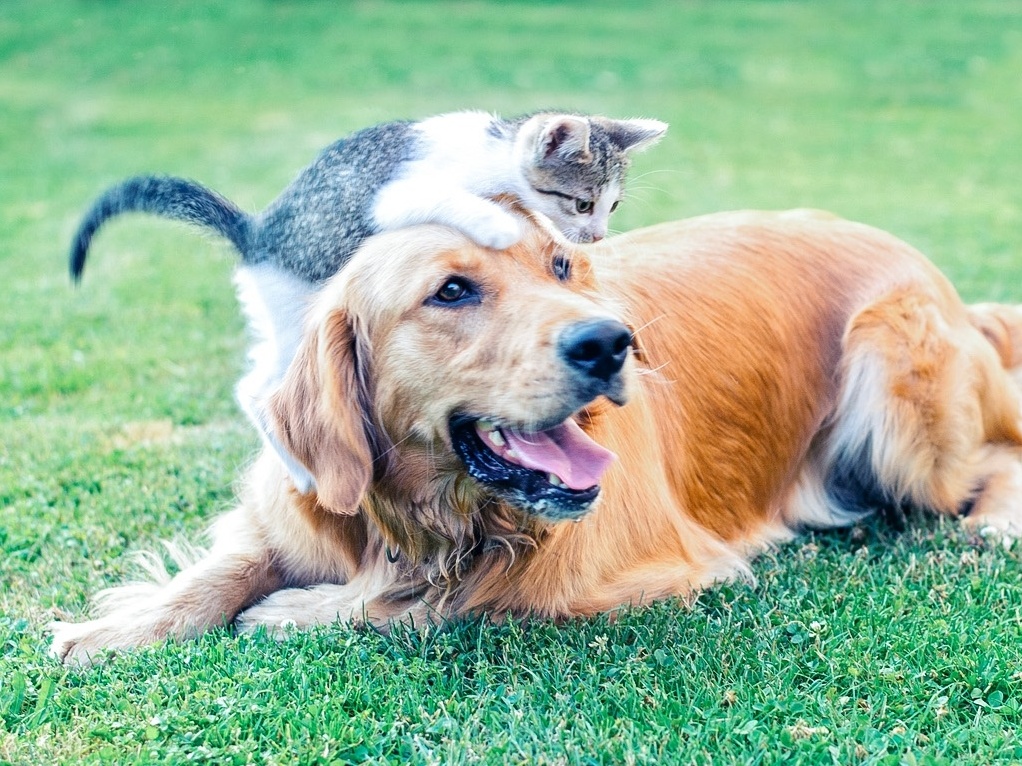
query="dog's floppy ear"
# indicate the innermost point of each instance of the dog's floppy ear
(319, 415)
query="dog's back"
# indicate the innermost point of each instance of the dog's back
(787, 350)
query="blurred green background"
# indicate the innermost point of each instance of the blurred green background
(118, 426)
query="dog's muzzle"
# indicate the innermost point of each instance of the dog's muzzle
(553, 474)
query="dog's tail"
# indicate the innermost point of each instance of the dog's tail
(175, 198)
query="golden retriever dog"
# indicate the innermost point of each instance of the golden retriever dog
(556, 430)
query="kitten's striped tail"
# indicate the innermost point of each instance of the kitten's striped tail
(175, 198)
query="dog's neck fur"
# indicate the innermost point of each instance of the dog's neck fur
(439, 519)
(446, 530)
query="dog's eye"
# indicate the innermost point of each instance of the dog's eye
(614, 206)
(456, 290)
(583, 205)
(562, 268)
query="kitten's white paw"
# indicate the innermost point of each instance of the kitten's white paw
(497, 232)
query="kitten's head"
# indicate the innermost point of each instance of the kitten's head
(574, 167)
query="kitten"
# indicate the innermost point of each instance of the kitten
(440, 170)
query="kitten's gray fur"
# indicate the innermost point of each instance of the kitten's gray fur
(322, 217)
(440, 170)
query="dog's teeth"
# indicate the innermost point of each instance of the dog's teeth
(496, 438)
(511, 454)
(554, 479)
(485, 426)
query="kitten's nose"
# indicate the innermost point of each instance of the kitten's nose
(597, 237)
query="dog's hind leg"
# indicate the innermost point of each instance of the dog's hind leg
(1001, 325)
(207, 592)
(926, 416)
(997, 509)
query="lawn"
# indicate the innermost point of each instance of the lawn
(118, 426)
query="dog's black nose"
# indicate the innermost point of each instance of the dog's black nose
(597, 348)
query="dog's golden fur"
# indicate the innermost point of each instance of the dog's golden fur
(790, 370)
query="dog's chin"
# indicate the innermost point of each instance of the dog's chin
(552, 474)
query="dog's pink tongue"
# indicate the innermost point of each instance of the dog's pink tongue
(563, 450)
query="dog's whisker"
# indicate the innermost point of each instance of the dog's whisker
(651, 322)
(394, 445)
(652, 370)
(654, 375)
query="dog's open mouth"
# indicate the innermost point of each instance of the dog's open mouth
(554, 473)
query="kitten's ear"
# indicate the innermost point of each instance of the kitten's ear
(319, 415)
(566, 137)
(632, 135)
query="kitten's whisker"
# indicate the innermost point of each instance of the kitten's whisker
(632, 189)
(651, 172)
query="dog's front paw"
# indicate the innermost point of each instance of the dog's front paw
(293, 608)
(81, 643)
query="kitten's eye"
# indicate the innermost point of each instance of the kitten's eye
(583, 205)
(614, 206)
(562, 268)
(456, 291)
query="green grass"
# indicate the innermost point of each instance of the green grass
(118, 427)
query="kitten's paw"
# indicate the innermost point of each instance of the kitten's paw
(497, 232)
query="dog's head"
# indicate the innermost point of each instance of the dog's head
(429, 357)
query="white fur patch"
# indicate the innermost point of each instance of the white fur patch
(810, 505)
(275, 303)
(462, 163)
